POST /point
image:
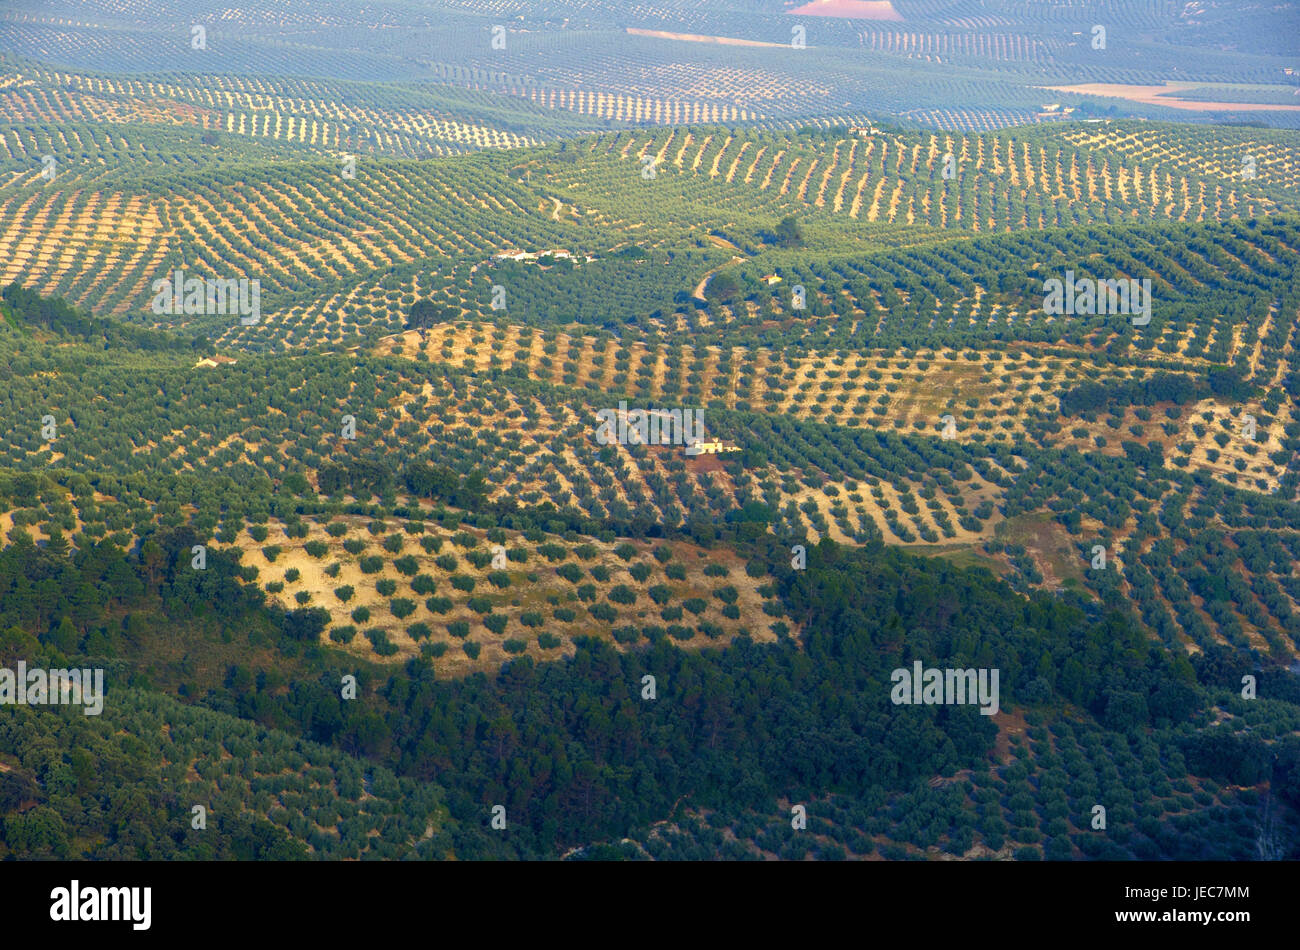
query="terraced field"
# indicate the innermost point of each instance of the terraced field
(474, 230)
(474, 600)
(370, 237)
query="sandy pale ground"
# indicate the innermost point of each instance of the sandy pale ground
(850, 9)
(1158, 96)
(698, 38)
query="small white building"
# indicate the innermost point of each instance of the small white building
(208, 362)
(710, 448)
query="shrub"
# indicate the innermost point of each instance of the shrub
(639, 572)
(499, 579)
(344, 593)
(333, 569)
(531, 618)
(660, 594)
(447, 562)
(302, 597)
(431, 544)
(406, 565)
(401, 608)
(361, 614)
(621, 594)
(380, 643)
(386, 587)
(696, 605)
(343, 634)
(257, 532)
(472, 649)
(271, 552)
(625, 551)
(676, 572)
(600, 572)
(548, 641)
(463, 582)
(480, 605)
(354, 545)
(603, 612)
(663, 554)
(371, 564)
(564, 614)
(570, 572)
(291, 575)
(671, 613)
(438, 605)
(423, 584)
(458, 629)
(678, 632)
(626, 634)
(715, 570)
(586, 551)
(728, 594)
(496, 623)
(731, 612)
(419, 631)
(336, 529)
(514, 646)
(317, 549)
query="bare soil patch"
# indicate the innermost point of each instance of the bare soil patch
(1158, 96)
(698, 38)
(851, 9)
